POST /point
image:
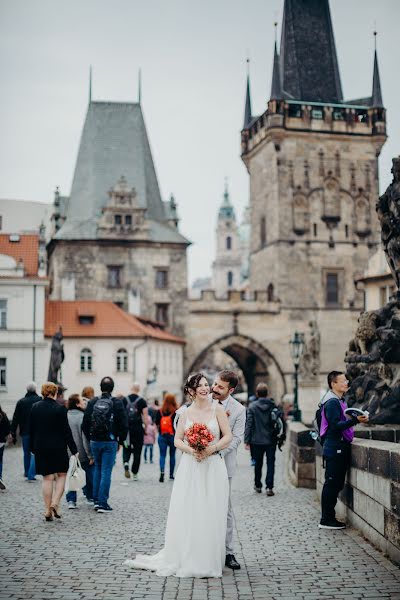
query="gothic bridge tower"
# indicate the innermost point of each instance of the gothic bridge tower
(312, 158)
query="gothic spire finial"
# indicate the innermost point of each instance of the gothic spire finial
(276, 85)
(377, 101)
(90, 84)
(140, 86)
(247, 107)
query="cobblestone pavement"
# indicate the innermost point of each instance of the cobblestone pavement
(283, 553)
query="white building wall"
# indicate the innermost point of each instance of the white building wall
(25, 360)
(142, 357)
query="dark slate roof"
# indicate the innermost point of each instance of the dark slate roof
(376, 85)
(247, 107)
(114, 142)
(309, 65)
(276, 85)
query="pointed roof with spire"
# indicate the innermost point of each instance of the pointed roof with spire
(309, 65)
(247, 107)
(226, 210)
(276, 85)
(113, 143)
(376, 100)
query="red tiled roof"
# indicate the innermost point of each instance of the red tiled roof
(25, 249)
(108, 321)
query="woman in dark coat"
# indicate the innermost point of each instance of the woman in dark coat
(50, 434)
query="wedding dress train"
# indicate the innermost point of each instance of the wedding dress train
(196, 524)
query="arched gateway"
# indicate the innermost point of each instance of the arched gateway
(255, 361)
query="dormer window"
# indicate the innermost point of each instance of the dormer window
(128, 219)
(317, 113)
(86, 319)
(118, 219)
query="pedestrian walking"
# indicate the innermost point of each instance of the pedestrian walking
(137, 413)
(265, 429)
(50, 435)
(76, 407)
(60, 395)
(153, 409)
(165, 425)
(337, 434)
(87, 394)
(20, 423)
(105, 424)
(149, 439)
(5, 429)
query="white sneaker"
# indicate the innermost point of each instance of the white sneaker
(72, 505)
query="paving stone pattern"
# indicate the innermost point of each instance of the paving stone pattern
(283, 554)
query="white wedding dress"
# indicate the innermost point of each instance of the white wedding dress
(196, 524)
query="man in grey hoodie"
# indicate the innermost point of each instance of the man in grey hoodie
(265, 428)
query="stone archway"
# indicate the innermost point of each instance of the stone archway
(255, 361)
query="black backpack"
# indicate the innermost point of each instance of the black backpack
(102, 419)
(134, 416)
(277, 426)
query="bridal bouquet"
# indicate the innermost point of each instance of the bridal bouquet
(199, 436)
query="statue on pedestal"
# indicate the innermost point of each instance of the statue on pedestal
(373, 358)
(56, 357)
(310, 362)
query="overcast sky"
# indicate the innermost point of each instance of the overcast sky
(192, 55)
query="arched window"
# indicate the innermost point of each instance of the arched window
(263, 232)
(229, 243)
(230, 278)
(270, 292)
(122, 360)
(86, 360)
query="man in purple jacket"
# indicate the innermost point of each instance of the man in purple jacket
(338, 433)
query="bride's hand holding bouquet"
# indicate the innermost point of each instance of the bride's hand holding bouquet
(199, 438)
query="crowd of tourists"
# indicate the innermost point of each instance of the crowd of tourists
(93, 429)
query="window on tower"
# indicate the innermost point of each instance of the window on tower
(229, 243)
(230, 278)
(118, 219)
(332, 289)
(263, 232)
(114, 276)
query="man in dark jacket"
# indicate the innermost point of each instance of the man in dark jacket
(20, 421)
(265, 428)
(105, 424)
(138, 414)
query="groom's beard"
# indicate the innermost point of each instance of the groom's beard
(218, 396)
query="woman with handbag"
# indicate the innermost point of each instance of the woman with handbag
(76, 406)
(165, 423)
(50, 435)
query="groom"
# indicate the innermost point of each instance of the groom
(222, 388)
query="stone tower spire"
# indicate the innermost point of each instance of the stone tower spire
(276, 85)
(247, 107)
(377, 101)
(309, 65)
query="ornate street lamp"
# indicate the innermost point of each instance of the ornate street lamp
(152, 377)
(296, 350)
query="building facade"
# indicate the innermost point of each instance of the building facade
(23, 349)
(100, 339)
(377, 282)
(114, 238)
(312, 159)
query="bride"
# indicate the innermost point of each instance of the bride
(196, 525)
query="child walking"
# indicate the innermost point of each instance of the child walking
(149, 440)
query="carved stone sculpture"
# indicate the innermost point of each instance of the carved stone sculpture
(373, 358)
(310, 361)
(56, 357)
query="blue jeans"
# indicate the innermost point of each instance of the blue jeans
(104, 454)
(29, 459)
(87, 490)
(166, 441)
(148, 448)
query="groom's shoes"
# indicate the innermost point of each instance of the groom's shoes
(231, 562)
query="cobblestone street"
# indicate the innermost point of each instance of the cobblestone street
(283, 553)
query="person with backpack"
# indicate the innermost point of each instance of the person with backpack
(265, 430)
(20, 422)
(165, 423)
(137, 412)
(336, 434)
(105, 424)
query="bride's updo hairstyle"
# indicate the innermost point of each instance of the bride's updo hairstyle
(192, 383)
